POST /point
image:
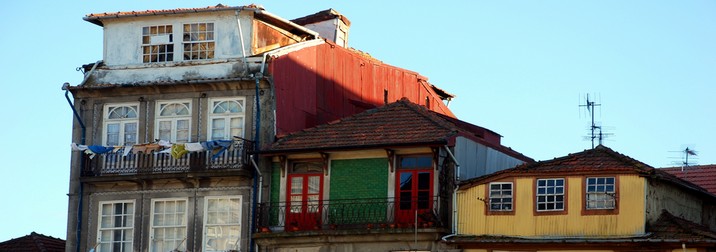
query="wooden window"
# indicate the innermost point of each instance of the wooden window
(157, 44)
(198, 41)
(222, 223)
(226, 118)
(173, 122)
(120, 124)
(601, 195)
(414, 190)
(550, 195)
(500, 196)
(305, 194)
(115, 231)
(168, 225)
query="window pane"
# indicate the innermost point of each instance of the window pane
(406, 181)
(423, 180)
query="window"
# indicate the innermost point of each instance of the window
(222, 223)
(414, 187)
(601, 193)
(168, 225)
(116, 226)
(173, 121)
(120, 124)
(501, 196)
(550, 194)
(198, 41)
(226, 118)
(157, 44)
(305, 192)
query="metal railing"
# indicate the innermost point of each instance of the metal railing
(116, 163)
(380, 213)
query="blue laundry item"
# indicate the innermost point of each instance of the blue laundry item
(217, 146)
(98, 149)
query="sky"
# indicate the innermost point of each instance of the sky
(519, 68)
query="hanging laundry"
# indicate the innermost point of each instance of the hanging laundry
(193, 147)
(127, 149)
(99, 149)
(76, 147)
(164, 143)
(217, 147)
(145, 148)
(178, 151)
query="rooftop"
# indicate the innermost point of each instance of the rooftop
(702, 175)
(34, 242)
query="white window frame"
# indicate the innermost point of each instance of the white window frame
(122, 123)
(127, 217)
(599, 192)
(236, 242)
(227, 116)
(500, 194)
(550, 197)
(179, 240)
(173, 120)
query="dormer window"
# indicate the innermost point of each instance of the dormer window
(157, 44)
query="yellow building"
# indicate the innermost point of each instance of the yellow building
(595, 200)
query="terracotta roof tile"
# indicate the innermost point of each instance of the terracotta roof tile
(669, 226)
(401, 123)
(34, 242)
(599, 159)
(702, 175)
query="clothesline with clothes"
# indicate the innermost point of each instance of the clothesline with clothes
(176, 150)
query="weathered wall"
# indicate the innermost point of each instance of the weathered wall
(677, 201)
(477, 159)
(629, 221)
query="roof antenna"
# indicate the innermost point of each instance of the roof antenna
(685, 154)
(595, 131)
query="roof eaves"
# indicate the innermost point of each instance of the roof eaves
(275, 152)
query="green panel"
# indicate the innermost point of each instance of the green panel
(359, 189)
(275, 193)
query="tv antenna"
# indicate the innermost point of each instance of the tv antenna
(595, 131)
(685, 154)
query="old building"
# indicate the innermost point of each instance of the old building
(701, 175)
(167, 120)
(597, 199)
(34, 242)
(380, 180)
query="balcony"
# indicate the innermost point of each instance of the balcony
(116, 163)
(383, 214)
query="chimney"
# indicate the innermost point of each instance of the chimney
(329, 24)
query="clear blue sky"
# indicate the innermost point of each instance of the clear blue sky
(517, 67)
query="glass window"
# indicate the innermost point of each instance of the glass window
(501, 196)
(168, 225)
(550, 194)
(198, 41)
(120, 124)
(115, 231)
(157, 44)
(601, 193)
(222, 224)
(173, 121)
(226, 118)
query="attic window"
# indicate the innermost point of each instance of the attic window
(198, 41)
(157, 44)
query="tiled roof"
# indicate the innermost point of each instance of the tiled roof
(669, 226)
(321, 16)
(34, 242)
(95, 17)
(396, 124)
(598, 160)
(702, 175)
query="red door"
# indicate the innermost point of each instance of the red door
(414, 190)
(304, 202)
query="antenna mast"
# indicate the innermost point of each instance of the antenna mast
(590, 108)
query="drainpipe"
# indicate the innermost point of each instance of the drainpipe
(254, 160)
(454, 195)
(65, 87)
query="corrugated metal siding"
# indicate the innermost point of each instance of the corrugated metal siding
(476, 159)
(317, 85)
(472, 219)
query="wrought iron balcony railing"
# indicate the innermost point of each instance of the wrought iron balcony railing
(382, 213)
(116, 163)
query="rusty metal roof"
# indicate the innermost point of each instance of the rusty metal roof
(321, 16)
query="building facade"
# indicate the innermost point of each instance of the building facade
(595, 200)
(166, 123)
(380, 180)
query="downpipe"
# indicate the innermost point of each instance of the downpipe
(254, 159)
(454, 195)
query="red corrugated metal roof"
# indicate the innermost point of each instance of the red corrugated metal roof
(702, 175)
(34, 242)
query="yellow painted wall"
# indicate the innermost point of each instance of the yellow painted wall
(630, 220)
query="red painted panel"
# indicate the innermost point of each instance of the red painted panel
(320, 84)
